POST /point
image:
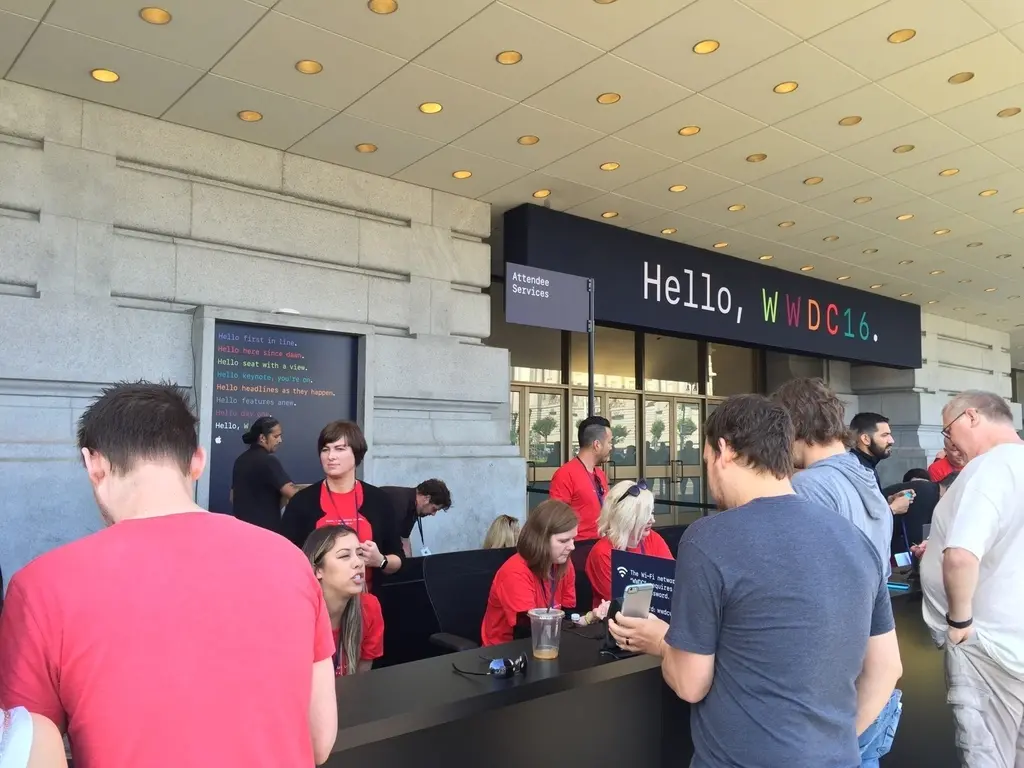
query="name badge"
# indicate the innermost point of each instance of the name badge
(424, 551)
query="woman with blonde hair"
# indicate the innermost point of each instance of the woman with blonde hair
(626, 523)
(503, 533)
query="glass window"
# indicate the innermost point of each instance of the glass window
(731, 370)
(579, 413)
(513, 417)
(614, 363)
(670, 364)
(622, 415)
(535, 353)
(545, 438)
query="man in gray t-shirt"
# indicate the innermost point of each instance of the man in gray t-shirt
(782, 633)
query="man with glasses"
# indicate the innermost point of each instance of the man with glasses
(972, 574)
(579, 482)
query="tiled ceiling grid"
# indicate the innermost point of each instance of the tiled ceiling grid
(875, 142)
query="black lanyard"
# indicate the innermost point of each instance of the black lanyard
(598, 488)
(419, 524)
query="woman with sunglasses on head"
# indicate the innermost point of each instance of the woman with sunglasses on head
(356, 618)
(626, 523)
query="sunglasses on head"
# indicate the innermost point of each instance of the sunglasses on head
(635, 489)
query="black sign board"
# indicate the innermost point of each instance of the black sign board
(548, 299)
(652, 284)
(633, 568)
(304, 379)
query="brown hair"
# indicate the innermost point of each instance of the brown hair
(818, 414)
(547, 519)
(348, 431)
(317, 546)
(758, 430)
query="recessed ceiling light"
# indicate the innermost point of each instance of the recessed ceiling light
(876, 285)
(843, 277)
(250, 116)
(669, 231)
(1004, 255)
(933, 301)
(869, 251)
(366, 148)
(960, 77)
(988, 192)
(902, 36)
(787, 87)
(1015, 296)
(849, 120)
(706, 46)
(1008, 112)
(309, 67)
(677, 188)
(905, 217)
(737, 207)
(949, 172)
(941, 232)
(806, 268)
(604, 2)
(830, 238)
(105, 75)
(786, 224)
(906, 295)
(383, 7)
(156, 16)
(608, 166)
(937, 272)
(462, 174)
(982, 314)
(902, 149)
(609, 214)
(958, 309)
(689, 130)
(813, 180)
(430, 107)
(990, 290)
(861, 200)
(542, 193)
(976, 244)
(757, 158)
(720, 245)
(1018, 210)
(766, 257)
(509, 57)
(963, 282)
(528, 141)
(608, 98)
(906, 261)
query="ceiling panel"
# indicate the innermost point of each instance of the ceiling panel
(575, 97)
(929, 138)
(59, 60)
(214, 103)
(754, 202)
(887, 220)
(979, 120)
(396, 102)
(687, 228)
(782, 150)
(745, 39)
(469, 53)
(563, 194)
(438, 169)
(1010, 148)
(977, 198)
(751, 248)
(831, 237)
(789, 221)
(267, 58)
(663, 188)
(971, 164)
(818, 177)
(584, 165)
(602, 24)
(32, 9)
(336, 140)
(14, 33)
(627, 213)
(860, 199)
(808, 19)
(881, 254)
(933, 232)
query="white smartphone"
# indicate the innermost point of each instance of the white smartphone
(636, 602)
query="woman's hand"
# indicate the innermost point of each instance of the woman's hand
(370, 553)
(601, 612)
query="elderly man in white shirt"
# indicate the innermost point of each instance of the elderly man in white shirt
(972, 575)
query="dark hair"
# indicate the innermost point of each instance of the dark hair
(140, 421)
(591, 429)
(758, 430)
(948, 480)
(818, 415)
(348, 431)
(867, 423)
(436, 491)
(262, 427)
(549, 518)
(916, 474)
(317, 545)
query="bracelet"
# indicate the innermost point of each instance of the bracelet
(959, 624)
(384, 562)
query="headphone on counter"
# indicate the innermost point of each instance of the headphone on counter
(502, 669)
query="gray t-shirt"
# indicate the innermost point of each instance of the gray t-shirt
(785, 594)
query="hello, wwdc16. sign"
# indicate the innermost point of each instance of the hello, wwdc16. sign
(656, 285)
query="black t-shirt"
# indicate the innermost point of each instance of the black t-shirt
(256, 483)
(404, 500)
(918, 515)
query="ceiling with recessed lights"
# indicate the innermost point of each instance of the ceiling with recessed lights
(875, 142)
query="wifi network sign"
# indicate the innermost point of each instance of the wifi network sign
(632, 568)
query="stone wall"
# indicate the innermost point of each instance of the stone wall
(114, 227)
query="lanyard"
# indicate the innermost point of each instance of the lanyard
(906, 538)
(642, 547)
(354, 524)
(553, 583)
(598, 488)
(419, 524)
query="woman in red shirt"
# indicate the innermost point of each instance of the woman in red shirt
(626, 523)
(538, 575)
(333, 551)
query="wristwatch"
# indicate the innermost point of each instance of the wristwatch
(959, 624)
(384, 562)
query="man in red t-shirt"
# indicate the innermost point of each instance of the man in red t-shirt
(579, 482)
(174, 637)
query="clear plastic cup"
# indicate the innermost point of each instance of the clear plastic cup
(546, 632)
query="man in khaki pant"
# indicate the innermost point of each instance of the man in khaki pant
(972, 574)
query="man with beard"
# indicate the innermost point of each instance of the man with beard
(873, 442)
(579, 482)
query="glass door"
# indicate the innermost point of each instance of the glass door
(672, 460)
(621, 410)
(544, 434)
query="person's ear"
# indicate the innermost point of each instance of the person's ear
(198, 464)
(96, 466)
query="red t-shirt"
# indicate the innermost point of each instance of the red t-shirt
(574, 485)
(599, 562)
(343, 509)
(939, 469)
(372, 646)
(173, 641)
(515, 590)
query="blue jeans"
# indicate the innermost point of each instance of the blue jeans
(876, 741)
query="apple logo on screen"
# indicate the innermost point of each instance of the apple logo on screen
(217, 440)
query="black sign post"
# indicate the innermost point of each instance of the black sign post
(556, 300)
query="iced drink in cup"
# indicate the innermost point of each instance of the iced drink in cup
(545, 631)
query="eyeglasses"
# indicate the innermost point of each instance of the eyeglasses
(634, 490)
(945, 429)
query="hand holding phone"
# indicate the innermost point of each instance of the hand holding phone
(636, 602)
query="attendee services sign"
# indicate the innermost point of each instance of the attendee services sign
(547, 299)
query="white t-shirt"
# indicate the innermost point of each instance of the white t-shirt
(15, 737)
(983, 512)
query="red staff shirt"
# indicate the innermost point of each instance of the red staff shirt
(574, 485)
(939, 469)
(599, 562)
(343, 509)
(372, 647)
(515, 590)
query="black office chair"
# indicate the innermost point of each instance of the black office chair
(458, 585)
(584, 592)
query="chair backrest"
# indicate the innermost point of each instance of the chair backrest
(672, 534)
(458, 585)
(584, 592)
(409, 618)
